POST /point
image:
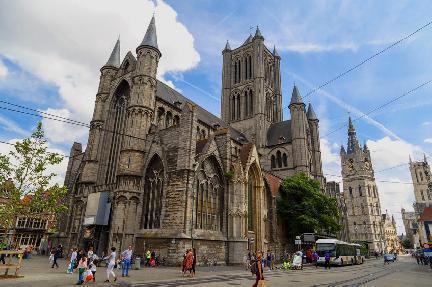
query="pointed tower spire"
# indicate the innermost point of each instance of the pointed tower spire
(227, 46)
(353, 144)
(258, 32)
(350, 125)
(424, 158)
(114, 59)
(410, 160)
(311, 113)
(295, 97)
(342, 150)
(248, 40)
(150, 38)
(275, 53)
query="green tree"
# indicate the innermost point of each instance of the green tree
(303, 208)
(26, 184)
(407, 244)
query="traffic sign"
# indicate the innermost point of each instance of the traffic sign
(297, 241)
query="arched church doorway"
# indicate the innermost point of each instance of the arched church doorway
(254, 201)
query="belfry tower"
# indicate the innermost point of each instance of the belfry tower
(251, 88)
(361, 193)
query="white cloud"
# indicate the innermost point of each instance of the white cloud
(3, 69)
(11, 126)
(66, 43)
(61, 132)
(317, 48)
(426, 123)
(428, 140)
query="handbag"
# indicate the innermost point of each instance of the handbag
(261, 283)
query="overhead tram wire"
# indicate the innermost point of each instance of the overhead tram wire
(44, 113)
(65, 120)
(381, 106)
(365, 61)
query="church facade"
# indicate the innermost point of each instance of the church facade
(159, 172)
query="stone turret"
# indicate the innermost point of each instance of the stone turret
(299, 131)
(277, 86)
(140, 111)
(316, 150)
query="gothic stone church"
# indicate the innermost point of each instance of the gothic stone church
(160, 172)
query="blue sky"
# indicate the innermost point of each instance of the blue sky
(50, 61)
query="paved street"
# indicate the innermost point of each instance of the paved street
(406, 272)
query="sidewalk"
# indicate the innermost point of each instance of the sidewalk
(37, 272)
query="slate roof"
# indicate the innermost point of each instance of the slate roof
(248, 40)
(150, 38)
(114, 59)
(274, 183)
(295, 97)
(171, 96)
(278, 130)
(311, 113)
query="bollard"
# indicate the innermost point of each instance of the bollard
(137, 263)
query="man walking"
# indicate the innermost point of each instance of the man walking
(126, 257)
(57, 253)
(327, 259)
(315, 257)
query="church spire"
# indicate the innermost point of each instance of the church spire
(295, 97)
(150, 38)
(275, 53)
(114, 59)
(258, 33)
(353, 144)
(227, 46)
(311, 113)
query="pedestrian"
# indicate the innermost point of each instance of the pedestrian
(153, 259)
(148, 257)
(259, 279)
(194, 261)
(126, 258)
(376, 254)
(82, 266)
(315, 257)
(56, 254)
(327, 259)
(268, 260)
(72, 262)
(188, 262)
(2, 256)
(272, 257)
(111, 264)
(92, 268)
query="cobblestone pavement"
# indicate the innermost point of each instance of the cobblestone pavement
(405, 272)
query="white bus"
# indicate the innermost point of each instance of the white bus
(341, 253)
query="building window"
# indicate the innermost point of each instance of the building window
(279, 159)
(360, 191)
(285, 160)
(350, 191)
(422, 195)
(208, 197)
(250, 102)
(153, 192)
(273, 161)
(421, 176)
(369, 191)
(176, 120)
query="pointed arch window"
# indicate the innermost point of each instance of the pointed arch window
(153, 193)
(279, 159)
(246, 106)
(250, 102)
(168, 119)
(118, 112)
(360, 191)
(285, 160)
(350, 191)
(176, 120)
(238, 107)
(273, 161)
(208, 197)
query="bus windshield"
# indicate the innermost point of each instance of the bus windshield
(322, 248)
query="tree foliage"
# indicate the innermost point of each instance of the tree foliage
(26, 184)
(302, 208)
(407, 244)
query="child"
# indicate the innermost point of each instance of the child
(92, 268)
(82, 266)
